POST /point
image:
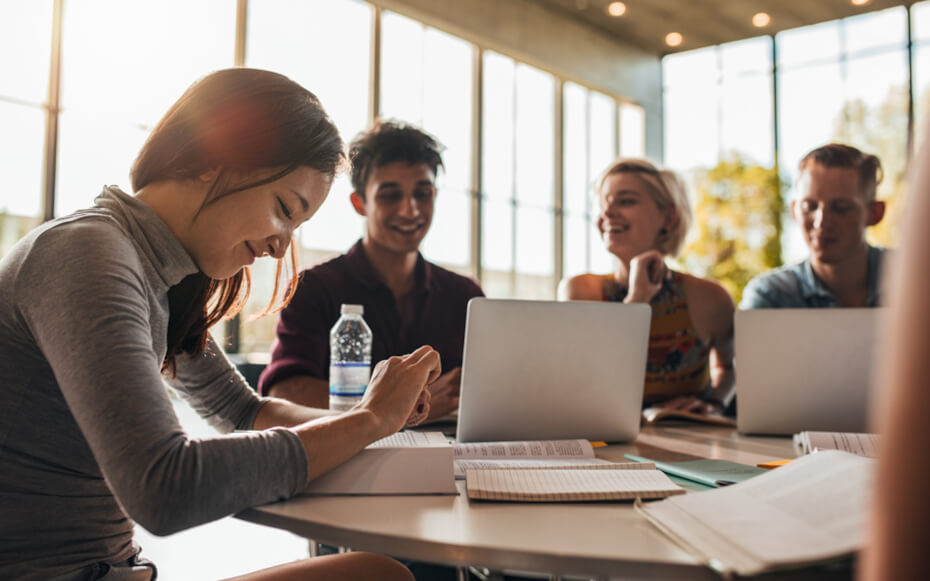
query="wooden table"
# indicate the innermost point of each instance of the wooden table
(597, 540)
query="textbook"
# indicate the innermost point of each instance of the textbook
(404, 463)
(524, 454)
(810, 511)
(652, 415)
(621, 481)
(852, 442)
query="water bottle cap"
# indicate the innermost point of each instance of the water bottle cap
(353, 310)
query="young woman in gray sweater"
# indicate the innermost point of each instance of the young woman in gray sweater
(99, 308)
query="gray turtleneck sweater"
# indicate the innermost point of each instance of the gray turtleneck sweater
(88, 435)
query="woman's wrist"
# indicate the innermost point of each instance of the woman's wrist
(371, 425)
(630, 298)
(714, 401)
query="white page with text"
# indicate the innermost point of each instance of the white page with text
(524, 450)
(812, 509)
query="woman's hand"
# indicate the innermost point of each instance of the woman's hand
(647, 271)
(397, 394)
(444, 394)
(690, 403)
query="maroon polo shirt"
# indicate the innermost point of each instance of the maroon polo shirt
(435, 315)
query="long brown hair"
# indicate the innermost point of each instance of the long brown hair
(237, 120)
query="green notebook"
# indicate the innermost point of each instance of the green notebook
(712, 473)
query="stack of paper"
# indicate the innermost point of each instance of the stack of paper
(852, 442)
(809, 511)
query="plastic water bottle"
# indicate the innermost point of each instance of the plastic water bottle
(349, 358)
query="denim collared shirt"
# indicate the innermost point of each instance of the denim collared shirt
(797, 286)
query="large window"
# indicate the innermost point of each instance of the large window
(120, 73)
(518, 231)
(426, 79)
(124, 63)
(690, 115)
(590, 139)
(920, 27)
(846, 81)
(719, 137)
(313, 51)
(632, 127)
(718, 104)
(25, 31)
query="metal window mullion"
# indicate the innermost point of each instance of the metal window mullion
(52, 114)
(242, 11)
(618, 121)
(557, 189)
(477, 149)
(776, 144)
(844, 75)
(513, 187)
(232, 329)
(374, 67)
(663, 90)
(718, 52)
(423, 30)
(909, 152)
(588, 198)
(775, 89)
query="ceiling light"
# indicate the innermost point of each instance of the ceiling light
(673, 39)
(616, 9)
(858, 2)
(761, 19)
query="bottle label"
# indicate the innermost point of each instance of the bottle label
(348, 379)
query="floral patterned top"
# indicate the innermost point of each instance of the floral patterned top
(678, 360)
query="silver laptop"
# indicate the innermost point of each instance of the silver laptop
(541, 370)
(804, 369)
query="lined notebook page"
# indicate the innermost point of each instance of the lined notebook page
(555, 485)
(557, 464)
(461, 466)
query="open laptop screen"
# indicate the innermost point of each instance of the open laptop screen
(536, 370)
(804, 369)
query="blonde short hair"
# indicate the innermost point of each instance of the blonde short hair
(668, 193)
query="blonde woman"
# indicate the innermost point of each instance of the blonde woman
(644, 218)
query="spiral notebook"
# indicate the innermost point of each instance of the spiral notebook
(601, 482)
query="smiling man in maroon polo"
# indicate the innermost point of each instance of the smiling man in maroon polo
(408, 301)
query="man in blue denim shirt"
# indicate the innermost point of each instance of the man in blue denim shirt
(835, 204)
